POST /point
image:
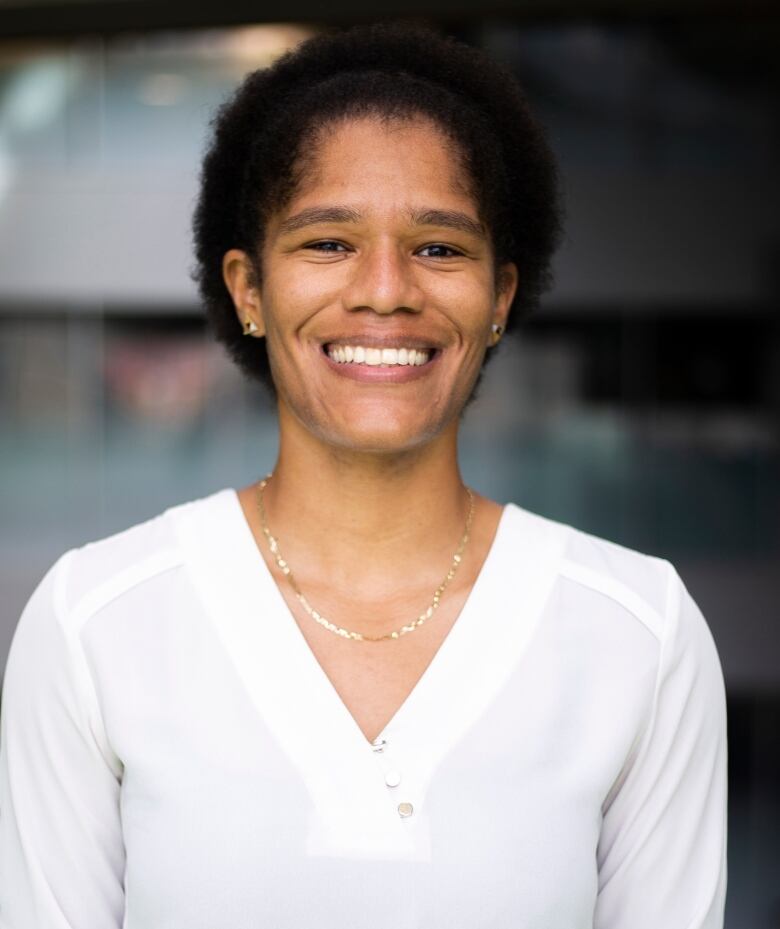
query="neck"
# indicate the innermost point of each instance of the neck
(366, 522)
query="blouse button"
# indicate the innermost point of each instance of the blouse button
(392, 778)
(405, 809)
(378, 745)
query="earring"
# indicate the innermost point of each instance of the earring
(250, 327)
(497, 332)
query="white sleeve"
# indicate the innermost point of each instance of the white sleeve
(662, 849)
(61, 849)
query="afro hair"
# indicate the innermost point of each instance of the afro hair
(261, 138)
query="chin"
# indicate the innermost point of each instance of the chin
(375, 427)
(380, 441)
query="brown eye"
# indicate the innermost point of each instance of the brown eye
(324, 246)
(446, 248)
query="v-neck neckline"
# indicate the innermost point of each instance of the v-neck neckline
(426, 682)
(353, 810)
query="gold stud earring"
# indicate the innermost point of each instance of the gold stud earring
(250, 327)
(497, 332)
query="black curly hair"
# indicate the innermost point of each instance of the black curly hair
(263, 135)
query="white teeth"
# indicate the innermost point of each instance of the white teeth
(357, 354)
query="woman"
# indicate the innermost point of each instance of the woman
(356, 692)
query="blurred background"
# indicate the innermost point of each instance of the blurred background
(642, 403)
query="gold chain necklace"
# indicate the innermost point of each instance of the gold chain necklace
(345, 633)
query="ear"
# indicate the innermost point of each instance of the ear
(240, 280)
(506, 288)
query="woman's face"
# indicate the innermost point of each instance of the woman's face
(381, 247)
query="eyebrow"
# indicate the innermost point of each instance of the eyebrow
(450, 219)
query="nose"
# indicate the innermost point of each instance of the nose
(383, 279)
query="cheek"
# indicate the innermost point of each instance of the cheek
(300, 291)
(469, 308)
(471, 284)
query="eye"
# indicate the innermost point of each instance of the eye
(326, 245)
(454, 253)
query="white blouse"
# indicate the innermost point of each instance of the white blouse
(173, 756)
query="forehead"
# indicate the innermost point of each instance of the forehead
(383, 159)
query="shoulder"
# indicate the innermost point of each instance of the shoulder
(645, 587)
(88, 577)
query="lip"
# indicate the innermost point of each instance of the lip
(383, 341)
(376, 374)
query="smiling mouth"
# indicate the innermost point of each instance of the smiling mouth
(383, 357)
